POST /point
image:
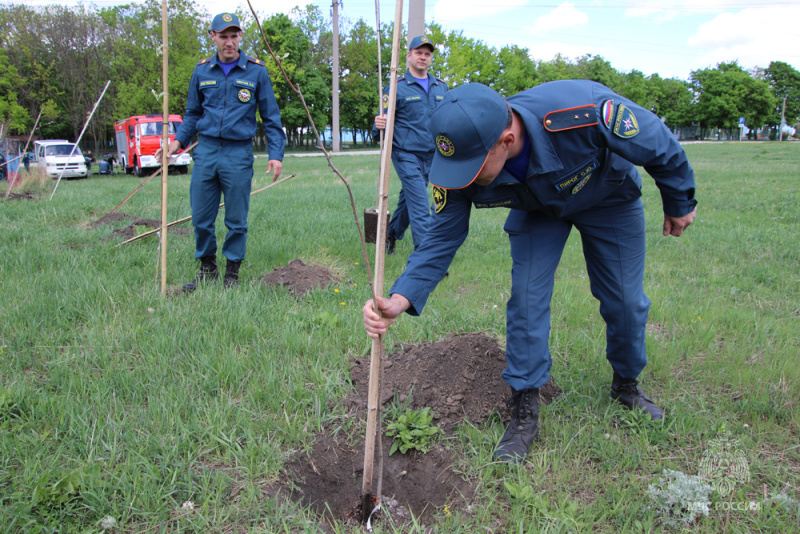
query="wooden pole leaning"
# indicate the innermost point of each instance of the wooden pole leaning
(28, 142)
(78, 140)
(368, 498)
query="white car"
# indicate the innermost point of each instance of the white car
(59, 157)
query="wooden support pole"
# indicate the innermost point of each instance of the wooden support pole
(373, 400)
(164, 144)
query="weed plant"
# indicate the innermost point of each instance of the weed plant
(123, 410)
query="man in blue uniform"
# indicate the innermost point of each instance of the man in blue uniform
(560, 155)
(224, 94)
(418, 94)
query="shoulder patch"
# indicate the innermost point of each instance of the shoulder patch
(255, 60)
(439, 198)
(607, 113)
(570, 118)
(206, 60)
(626, 125)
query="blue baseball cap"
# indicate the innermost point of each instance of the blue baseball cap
(420, 40)
(223, 21)
(465, 126)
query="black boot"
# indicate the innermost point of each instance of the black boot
(232, 274)
(208, 272)
(523, 428)
(627, 392)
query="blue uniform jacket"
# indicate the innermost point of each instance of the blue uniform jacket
(586, 141)
(413, 110)
(225, 106)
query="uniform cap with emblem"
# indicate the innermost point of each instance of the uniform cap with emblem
(420, 40)
(223, 21)
(465, 126)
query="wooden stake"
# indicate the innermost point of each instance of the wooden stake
(164, 144)
(373, 400)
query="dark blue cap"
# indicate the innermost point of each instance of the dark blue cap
(465, 126)
(420, 40)
(223, 21)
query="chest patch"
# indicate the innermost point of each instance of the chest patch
(439, 198)
(205, 84)
(244, 95)
(576, 180)
(626, 125)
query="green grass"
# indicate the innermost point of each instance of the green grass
(116, 401)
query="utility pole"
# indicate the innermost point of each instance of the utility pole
(783, 121)
(416, 18)
(335, 137)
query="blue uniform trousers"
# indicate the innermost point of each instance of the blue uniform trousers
(413, 204)
(613, 240)
(221, 168)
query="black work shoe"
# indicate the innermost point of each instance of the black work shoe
(232, 274)
(208, 271)
(523, 428)
(627, 392)
(390, 245)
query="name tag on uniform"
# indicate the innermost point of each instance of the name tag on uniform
(439, 97)
(244, 83)
(205, 84)
(580, 177)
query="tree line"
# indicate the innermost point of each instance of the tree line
(57, 60)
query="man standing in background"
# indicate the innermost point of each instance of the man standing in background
(224, 94)
(418, 94)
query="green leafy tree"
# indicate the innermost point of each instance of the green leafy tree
(14, 117)
(517, 70)
(672, 100)
(360, 87)
(136, 54)
(460, 59)
(727, 93)
(784, 80)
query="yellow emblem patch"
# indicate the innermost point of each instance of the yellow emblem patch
(244, 95)
(226, 17)
(445, 146)
(439, 198)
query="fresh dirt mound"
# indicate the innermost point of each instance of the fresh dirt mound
(459, 379)
(25, 195)
(329, 481)
(130, 230)
(299, 278)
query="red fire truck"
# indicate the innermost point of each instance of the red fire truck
(139, 137)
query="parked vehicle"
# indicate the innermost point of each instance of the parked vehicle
(139, 137)
(59, 157)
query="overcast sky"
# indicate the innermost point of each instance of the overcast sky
(630, 34)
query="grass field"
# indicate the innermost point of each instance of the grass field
(116, 402)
